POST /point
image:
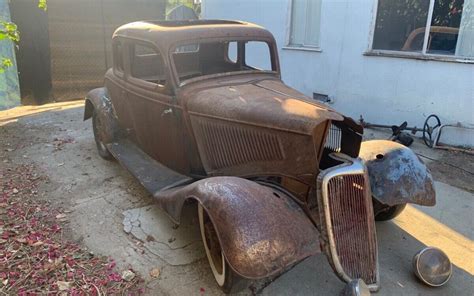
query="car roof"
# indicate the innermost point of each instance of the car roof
(167, 33)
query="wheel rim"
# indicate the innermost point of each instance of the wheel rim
(212, 246)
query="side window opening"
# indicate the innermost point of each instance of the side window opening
(257, 55)
(222, 57)
(186, 60)
(118, 56)
(232, 51)
(147, 64)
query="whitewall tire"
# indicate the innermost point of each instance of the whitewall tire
(225, 277)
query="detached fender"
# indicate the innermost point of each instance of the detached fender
(261, 230)
(98, 100)
(396, 174)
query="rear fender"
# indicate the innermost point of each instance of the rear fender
(397, 175)
(98, 101)
(94, 101)
(261, 230)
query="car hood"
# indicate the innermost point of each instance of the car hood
(267, 103)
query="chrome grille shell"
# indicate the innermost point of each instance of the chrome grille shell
(333, 139)
(346, 213)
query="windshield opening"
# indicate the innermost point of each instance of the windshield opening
(207, 58)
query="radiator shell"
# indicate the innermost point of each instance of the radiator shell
(347, 221)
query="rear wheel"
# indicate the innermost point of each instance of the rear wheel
(226, 278)
(390, 212)
(98, 129)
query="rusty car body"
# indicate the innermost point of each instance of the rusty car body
(277, 176)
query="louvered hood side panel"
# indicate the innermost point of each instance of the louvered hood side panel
(232, 148)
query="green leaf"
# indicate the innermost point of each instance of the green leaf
(43, 4)
(9, 30)
(7, 62)
(4, 64)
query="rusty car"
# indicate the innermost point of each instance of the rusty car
(198, 113)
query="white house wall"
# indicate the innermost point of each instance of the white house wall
(382, 89)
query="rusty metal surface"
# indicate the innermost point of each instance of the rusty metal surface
(261, 230)
(243, 124)
(397, 174)
(345, 206)
(167, 33)
(225, 127)
(98, 101)
(230, 148)
(294, 126)
(151, 174)
(251, 104)
(229, 145)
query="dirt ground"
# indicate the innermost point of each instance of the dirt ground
(99, 194)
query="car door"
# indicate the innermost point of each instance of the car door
(156, 116)
(115, 82)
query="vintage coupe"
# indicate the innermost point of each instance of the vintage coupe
(197, 112)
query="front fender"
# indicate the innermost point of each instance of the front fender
(261, 230)
(397, 175)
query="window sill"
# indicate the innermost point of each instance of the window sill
(418, 56)
(302, 48)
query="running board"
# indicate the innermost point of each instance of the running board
(151, 174)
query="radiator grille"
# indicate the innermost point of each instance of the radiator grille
(228, 145)
(353, 225)
(333, 139)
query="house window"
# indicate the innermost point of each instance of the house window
(425, 27)
(305, 21)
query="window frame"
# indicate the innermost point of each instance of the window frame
(273, 56)
(238, 60)
(242, 55)
(162, 88)
(117, 71)
(423, 55)
(303, 47)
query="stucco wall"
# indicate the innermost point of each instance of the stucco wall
(381, 89)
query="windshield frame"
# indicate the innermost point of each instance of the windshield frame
(272, 51)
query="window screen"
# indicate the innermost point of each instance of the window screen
(305, 23)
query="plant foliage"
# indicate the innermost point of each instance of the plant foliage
(9, 32)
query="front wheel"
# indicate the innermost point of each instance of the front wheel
(226, 278)
(390, 212)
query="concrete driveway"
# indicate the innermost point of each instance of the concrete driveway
(111, 214)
